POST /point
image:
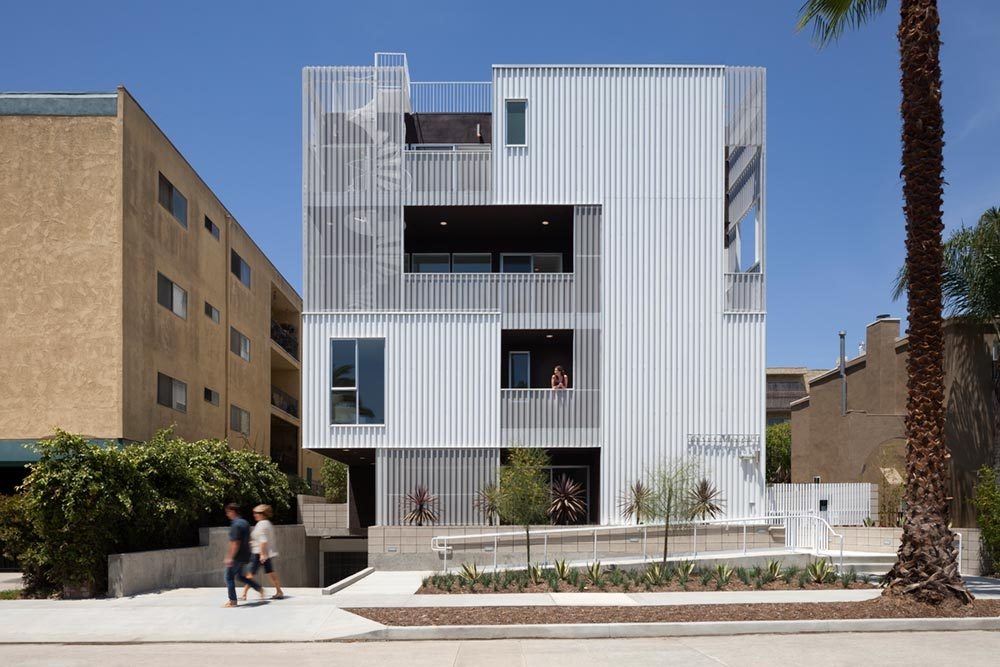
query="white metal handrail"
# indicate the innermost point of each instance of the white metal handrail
(443, 543)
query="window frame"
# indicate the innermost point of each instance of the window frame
(414, 260)
(211, 396)
(167, 190)
(233, 333)
(174, 385)
(356, 388)
(506, 121)
(180, 310)
(510, 367)
(212, 228)
(212, 313)
(233, 255)
(242, 411)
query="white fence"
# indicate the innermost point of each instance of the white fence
(837, 504)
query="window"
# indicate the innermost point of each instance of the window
(239, 420)
(519, 369)
(211, 312)
(515, 263)
(171, 393)
(211, 396)
(517, 115)
(239, 344)
(471, 263)
(357, 381)
(425, 262)
(545, 262)
(172, 200)
(170, 296)
(239, 268)
(212, 228)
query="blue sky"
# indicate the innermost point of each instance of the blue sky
(223, 80)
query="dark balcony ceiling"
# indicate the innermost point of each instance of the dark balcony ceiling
(449, 128)
(523, 223)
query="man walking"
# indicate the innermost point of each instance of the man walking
(237, 554)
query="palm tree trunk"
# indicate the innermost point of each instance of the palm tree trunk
(926, 567)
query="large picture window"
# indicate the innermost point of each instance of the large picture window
(357, 381)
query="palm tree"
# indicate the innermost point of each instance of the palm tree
(970, 283)
(926, 566)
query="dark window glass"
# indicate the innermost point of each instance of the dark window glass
(520, 370)
(342, 354)
(164, 291)
(164, 390)
(240, 268)
(172, 200)
(371, 381)
(239, 420)
(431, 263)
(517, 111)
(471, 263)
(211, 396)
(239, 344)
(515, 264)
(212, 228)
(211, 312)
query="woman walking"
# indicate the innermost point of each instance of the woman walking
(263, 550)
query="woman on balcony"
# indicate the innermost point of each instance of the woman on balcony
(559, 378)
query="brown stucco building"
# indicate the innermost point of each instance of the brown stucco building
(868, 442)
(132, 298)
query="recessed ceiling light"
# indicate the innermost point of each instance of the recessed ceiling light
(548, 335)
(545, 222)
(444, 223)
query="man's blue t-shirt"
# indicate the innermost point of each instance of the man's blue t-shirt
(239, 529)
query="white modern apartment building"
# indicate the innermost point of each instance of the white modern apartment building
(462, 239)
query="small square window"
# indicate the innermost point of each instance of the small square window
(211, 228)
(211, 312)
(211, 396)
(517, 122)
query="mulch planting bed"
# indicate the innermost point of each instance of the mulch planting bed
(883, 607)
(693, 586)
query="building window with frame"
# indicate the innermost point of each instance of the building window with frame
(239, 419)
(516, 122)
(171, 393)
(239, 267)
(211, 228)
(211, 396)
(357, 383)
(239, 344)
(172, 200)
(211, 312)
(171, 296)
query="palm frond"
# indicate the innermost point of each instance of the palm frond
(830, 18)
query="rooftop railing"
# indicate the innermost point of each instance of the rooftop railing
(451, 97)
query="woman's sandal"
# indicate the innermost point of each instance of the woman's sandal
(278, 596)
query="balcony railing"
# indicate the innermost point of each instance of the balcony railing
(451, 97)
(284, 336)
(451, 169)
(284, 402)
(744, 293)
(549, 417)
(510, 293)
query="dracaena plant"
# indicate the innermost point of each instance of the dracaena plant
(421, 505)
(567, 504)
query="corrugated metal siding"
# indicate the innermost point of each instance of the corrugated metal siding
(546, 418)
(353, 184)
(648, 143)
(455, 476)
(440, 391)
(448, 178)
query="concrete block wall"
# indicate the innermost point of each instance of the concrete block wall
(887, 540)
(146, 571)
(323, 519)
(409, 547)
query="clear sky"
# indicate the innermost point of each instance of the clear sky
(223, 80)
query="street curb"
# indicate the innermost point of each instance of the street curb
(652, 630)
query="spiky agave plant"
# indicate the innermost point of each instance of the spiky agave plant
(567, 505)
(637, 502)
(706, 500)
(421, 506)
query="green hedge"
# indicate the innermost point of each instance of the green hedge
(82, 501)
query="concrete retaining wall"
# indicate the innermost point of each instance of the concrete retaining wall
(146, 571)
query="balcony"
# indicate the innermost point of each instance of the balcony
(284, 402)
(284, 336)
(453, 174)
(744, 293)
(550, 417)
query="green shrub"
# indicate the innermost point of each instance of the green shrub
(333, 474)
(986, 500)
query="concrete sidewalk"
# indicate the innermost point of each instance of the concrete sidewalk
(196, 615)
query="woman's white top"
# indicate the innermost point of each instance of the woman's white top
(263, 532)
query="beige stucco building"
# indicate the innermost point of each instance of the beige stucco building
(132, 298)
(867, 442)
